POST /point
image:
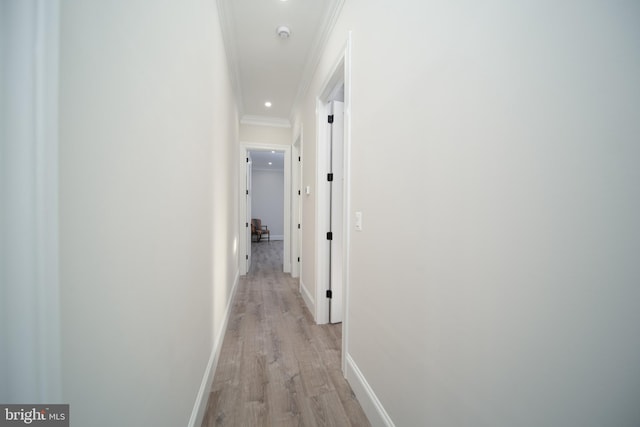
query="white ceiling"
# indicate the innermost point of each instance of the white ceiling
(265, 67)
(260, 160)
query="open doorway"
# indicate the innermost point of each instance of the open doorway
(265, 177)
(267, 202)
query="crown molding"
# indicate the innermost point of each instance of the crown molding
(228, 38)
(315, 53)
(265, 121)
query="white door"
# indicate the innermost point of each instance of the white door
(248, 190)
(336, 192)
(296, 196)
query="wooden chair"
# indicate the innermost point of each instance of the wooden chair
(258, 230)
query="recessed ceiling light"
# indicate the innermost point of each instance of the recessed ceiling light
(270, 163)
(267, 104)
(273, 151)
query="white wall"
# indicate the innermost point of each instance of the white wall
(267, 202)
(495, 281)
(265, 134)
(29, 293)
(148, 206)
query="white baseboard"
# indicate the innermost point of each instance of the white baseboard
(200, 406)
(264, 239)
(308, 298)
(372, 407)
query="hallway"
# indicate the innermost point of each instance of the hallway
(276, 366)
(490, 212)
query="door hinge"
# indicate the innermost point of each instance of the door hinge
(330, 177)
(246, 224)
(247, 159)
(247, 192)
(330, 118)
(298, 226)
(329, 293)
(329, 235)
(246, 256)
(299, 158)
(298, 259)
(298, 192)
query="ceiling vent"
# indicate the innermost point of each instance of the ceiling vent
(283, 32)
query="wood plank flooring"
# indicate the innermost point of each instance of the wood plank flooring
(277, 367)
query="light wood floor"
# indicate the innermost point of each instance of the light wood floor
(277, 367)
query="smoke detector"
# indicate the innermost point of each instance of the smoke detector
(283, 32)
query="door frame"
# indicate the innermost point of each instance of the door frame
(245, 147)
(340, 72)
